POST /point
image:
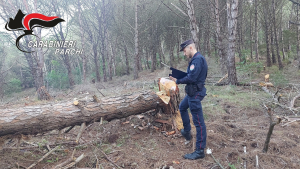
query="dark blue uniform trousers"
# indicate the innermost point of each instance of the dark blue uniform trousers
(194, 103)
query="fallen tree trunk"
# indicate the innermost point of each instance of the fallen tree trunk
(40, 119)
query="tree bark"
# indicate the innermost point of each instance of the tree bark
(38, 68)
(276, 38)
(193, 25)
(171, 54)
(298, 38)
(272, 47)
(96, 62)
(136, 44)
(104, 38)
(83, 57)
(240, 32)
(39, 119)
(267, 38)
(126, 57)
(232, 13)
(256, 31)
(220, 38)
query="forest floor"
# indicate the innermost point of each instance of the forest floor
(236, 120)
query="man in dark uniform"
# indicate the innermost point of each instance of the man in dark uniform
(194, 80)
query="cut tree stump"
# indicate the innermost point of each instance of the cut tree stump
(44, 118)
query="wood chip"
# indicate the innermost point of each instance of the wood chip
(76, 102)
(140, 116)
(163, 121)
(176, 162)
(126, 122)
(171, 133)
(156, 128)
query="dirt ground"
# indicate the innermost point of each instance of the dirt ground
(236, 120)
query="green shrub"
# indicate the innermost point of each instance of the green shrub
(278, 79)
(58, 80)
(14, 86)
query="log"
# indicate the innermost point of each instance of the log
(44, 118)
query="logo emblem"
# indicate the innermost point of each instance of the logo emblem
(30, 21)
(192, 67)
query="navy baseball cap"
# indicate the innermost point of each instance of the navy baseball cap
(185, 44)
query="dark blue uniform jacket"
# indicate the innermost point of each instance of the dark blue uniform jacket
(196, 72)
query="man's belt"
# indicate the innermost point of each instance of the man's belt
(191, 89)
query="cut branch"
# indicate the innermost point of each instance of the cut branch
(82, 128)
(46, 155)
(75, 162)
(272, 125)
(293, 100)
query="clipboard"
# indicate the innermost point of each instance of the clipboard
(178, 74)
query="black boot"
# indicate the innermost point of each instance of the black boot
(186, 135)
(198, 153)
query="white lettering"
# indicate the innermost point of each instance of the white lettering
(56, 51)
(65, 44)
(30, 44)
(50, 44)
(67, 51)
(40, 44)
(72, 51)
(70, 44)
(62, 51)
(45, 44)
(35, 44)
(78, 51)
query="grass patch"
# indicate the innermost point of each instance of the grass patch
(239, 96)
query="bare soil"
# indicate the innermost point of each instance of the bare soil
(233, 125)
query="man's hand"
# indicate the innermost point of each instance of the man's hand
(172, 78)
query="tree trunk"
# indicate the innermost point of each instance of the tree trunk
(219, 37)
(136, 45)
(272, 47)
(39, 119)
(39, 80)
(154, 48)
(172, 64)
(298, 38)
(69, 68)
(232, 13)
(153, 58)
(96, 62)
(256, 31)
(251, 35)
(104, 38)
(126, 57)
(276, 38)
(82, 44)
(240, 32)
(38, 65)
(193, 25)
(160, 55)
(267, 38)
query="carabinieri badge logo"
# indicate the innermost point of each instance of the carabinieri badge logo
(30, 21)
(192, 67)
